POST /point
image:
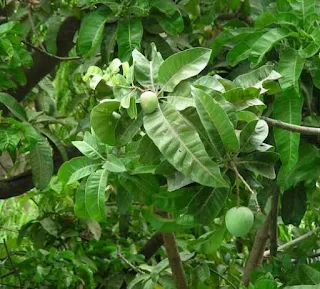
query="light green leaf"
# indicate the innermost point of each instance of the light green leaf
(14, 106)
(10, 137)
(260, 162)
(181, 97)
(288, 108)
(76, 169)
(113, 164)
(179, 142)
(209, 82)
(103, 122)
(216, 121)
(302, 287)
(91, 32)
(290, 67)
(88, 147)
(50, 226)
(207, 204)
(253, 135)
(41, 163)
(181, 66)
(129, 35)
(265, 43)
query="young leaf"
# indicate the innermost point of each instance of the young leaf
(129, 35)
(181, 66)
(91, 32)
(290, 67)
(265, 43)
(216, 121)
(207, 204)
(179, 142)
(103, 122)
(287, 108)
(41, 163)
(76, 169)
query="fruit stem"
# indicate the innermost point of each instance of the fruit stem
(234, 168)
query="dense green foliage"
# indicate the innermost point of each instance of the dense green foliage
(124, 119)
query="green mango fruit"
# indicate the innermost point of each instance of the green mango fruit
(239, 221)
(148, 101)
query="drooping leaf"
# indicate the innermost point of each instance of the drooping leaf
(181, 145)
(41, 163)
(129, 35)
(108, 43)
(181, 66)
(14, 106)
(293, 205)
(88, 147)
(91, 32)
(288, 108)
(265, 43)
(290, 67)
(103, 122)
(216, 121)
(76, 169)
(207, 203)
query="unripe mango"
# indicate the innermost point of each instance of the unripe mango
(239, 221)
(148, 101)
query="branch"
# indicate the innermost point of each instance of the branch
(257, 250)
(274, 223)
(152, 246)
(294, 242)
(292, 127)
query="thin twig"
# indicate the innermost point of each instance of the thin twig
(12, 264)
(127, 262)
(224, 278)
(34, 30)
(234, 168)
(292, 127)
(294, 242)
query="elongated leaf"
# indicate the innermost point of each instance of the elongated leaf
(288, 108)
(165, 6)
(261, 162)
(253, 135)
(14, 106)
(103, 122)
(216, 121)
(10, 137)
(129, 35)
(172, 25)
(179, 142)
(265, 43)
(210, 82)
(88, 147)
(181, 97)
(94, 197)
(182, 65)
(91, 32)
(113, 164)
(290, 67)
(207, 203)
(302, 287)
(308, 275)
(41, 164)
(76, 169)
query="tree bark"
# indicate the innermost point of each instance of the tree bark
(256, 253)
(174, 260)
(152, 246)
(274, 223)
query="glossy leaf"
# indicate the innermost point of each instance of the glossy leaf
(290, 67)
(13, 105)
(179, 142)
(103, 122)
(76, 169)
(165, 6)
(113, 164)
(181, 66)
(91, 32)
(216, 121)
(181, 97)
(287, 108)
(129, 35)
(172, 25)
(41, 164)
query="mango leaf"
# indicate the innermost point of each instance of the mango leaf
(216, 121)
(287, 108)
(181, 97)
(308, 275)
(10, 137)
(113, 164)
(76, 169)
(260, 162)
(108, 42)
(253, 135)
(129, 35)
(210, 82)
(91, 32)
(172, 25)
(207, 204)
(265, 43)
(293, 205)
(41, 163)
(139, 7)
(290, 67)
(15, 107)
(302, 287)
(165, 6)
(179, 142)
(181, 66)
(257, 78)
(88, 147)
(103, 122)
(313, 47)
